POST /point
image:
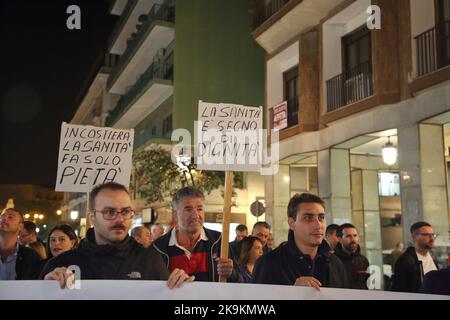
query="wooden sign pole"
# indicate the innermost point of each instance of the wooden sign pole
(226, 218)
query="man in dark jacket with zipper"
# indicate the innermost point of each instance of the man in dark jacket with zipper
(415, 262)
(190, 246)
(304, 260)
(108, 252)
(17, 262)
(348, 251)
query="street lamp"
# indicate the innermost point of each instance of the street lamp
(389, 153)
(74, 215)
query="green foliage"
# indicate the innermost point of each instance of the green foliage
(158, 177)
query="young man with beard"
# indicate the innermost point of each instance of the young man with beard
(16, 261)
(348, 251)
(304, 260)
(108, 252)
(416, 261)
(190, 246)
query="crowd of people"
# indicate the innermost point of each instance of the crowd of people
(314, 254)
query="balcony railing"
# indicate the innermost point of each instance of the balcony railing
(161, 12)
(433, 48)
(350, 86)
(156, 71)
(122, 20)
(263, 13)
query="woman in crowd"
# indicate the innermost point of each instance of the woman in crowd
(251, 250)
(61, 238)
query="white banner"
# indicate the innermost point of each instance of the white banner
(89, 156)
(158, 290)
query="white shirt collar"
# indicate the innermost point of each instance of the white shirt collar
(173, 240)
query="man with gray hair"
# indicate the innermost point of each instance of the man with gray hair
(142, 236)
(189, 245)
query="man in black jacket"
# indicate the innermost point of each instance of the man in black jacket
(108, 252)
(304, 260)
(348, 251)
(415, 262)
(17, 262)
(190, 246)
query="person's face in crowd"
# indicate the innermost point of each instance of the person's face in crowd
(255, 252)
(111, 228)
(11, 222)
(262, 234)
(424, 238)
(241, 235)
(157, 231)
(190, 215)
(332, 239)
(270, 241)
(310, 224)
(59, 242)
(26, 238)
(350, 239)
(144, 238)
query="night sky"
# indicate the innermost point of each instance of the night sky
(44, 67)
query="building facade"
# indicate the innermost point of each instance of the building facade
(350, 89)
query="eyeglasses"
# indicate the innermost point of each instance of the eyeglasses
(432, 235)
(111, 213)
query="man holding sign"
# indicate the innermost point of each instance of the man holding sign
(190, 246)
(108, 252)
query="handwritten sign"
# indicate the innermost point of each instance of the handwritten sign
(89, 156)
(228, 137)
(280, 116)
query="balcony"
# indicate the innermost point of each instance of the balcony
(433, 49)
(263, 13)
(350, 86)
(156, 31)
(281, 20)
(151, 89)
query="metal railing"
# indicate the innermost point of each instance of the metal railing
(158, 12)
(433, 48)
(350, 86)
(263, 13)
(156, 71)
(122, 20)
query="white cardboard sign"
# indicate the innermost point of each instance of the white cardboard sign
(89, 156)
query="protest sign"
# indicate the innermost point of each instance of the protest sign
(228, 137)
(280, 116)
(89, 156)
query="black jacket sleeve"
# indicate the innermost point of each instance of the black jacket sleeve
(28, 264)
(262, 271)
(403, 276)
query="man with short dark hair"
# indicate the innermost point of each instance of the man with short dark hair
(28, 235)
(349, 251)
(304, 260)
(16, 261)
(261, 230)
(142, 236)
(331, 237)
(241, 233)
(416, 261)
(190, 246)
(108, 252)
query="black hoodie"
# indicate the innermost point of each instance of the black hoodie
(124, 261)
(286, 263)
